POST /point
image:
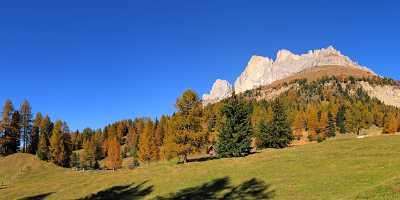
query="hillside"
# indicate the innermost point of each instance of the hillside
(346, 168)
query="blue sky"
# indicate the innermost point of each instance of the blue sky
(94, 62)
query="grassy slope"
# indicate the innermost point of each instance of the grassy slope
(336, 169)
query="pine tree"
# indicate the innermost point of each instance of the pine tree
(340, 119)
(15, 131)
(331, 129)
(279, 134)
(235, 132)
(189, 136)
(46, 128)
(113, 160)
(34, 139)
(26, 125)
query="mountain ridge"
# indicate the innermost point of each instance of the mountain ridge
(261, 71)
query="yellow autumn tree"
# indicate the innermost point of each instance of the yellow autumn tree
(298, 125)
(113, 160)
(312, 122)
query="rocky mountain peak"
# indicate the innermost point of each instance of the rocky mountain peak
(262, 71)
(221, 89)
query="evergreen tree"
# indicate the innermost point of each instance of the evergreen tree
(235, 132)
(331, 129)
(279, 134)
(46, 128)
(26, 125)
(15, 132)
(340, 119)
(34, 139)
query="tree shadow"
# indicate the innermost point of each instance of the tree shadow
(202, 159)
(129, 191)
(222, 189)
(37, 197)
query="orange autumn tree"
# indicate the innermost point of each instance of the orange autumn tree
(113, 160)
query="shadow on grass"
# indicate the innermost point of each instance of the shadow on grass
(129, 191)
(222, 189)
(37, 197)
(207, 158)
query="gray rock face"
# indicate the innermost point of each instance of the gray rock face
(220, 90)
(263, 71)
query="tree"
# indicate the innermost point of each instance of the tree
(34, 137)
(60, 142)
(389, 124)
(189, 136)
(340, 119)
(15, 131)
(356, 117)
(235, 132)
(43, 152)
(279, 134)
(6, 138)
(26, 125)
(113, 160)
(88, 156)
(331, 129)
(298, 125)
(146, 142)
(323, 126)
(46, 127)
(312, 122)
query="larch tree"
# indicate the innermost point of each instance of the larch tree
(389, 124)
(312, 122)
(189, 136)
(26, 125)
(235, 132)
(146, 142)
(298, 125)
(6, 138)
(113, 160)
(60, 142)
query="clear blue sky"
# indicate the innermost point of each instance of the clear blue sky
(94, 62)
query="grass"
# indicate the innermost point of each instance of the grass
(345, 168)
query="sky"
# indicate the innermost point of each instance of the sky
(91, 63)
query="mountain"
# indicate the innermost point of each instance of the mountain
(261, 71)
